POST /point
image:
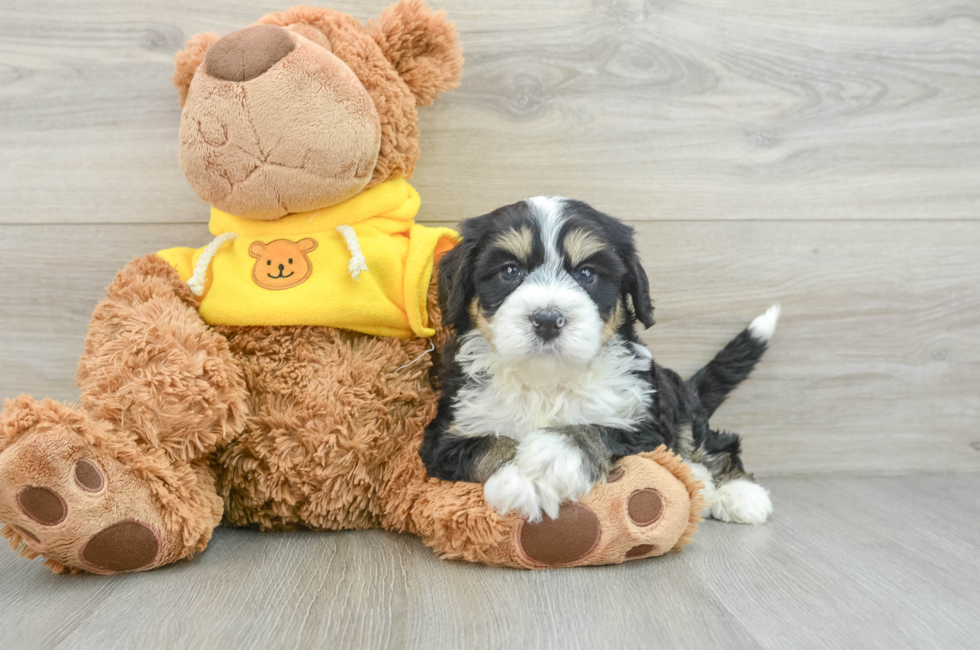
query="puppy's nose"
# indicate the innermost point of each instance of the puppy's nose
(547, 323)
(247, 53)
(282, 267)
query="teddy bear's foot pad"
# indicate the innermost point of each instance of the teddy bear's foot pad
(78, 506)
(641, 511)
(570, 537)
(577, 531)
(126, 546)
(44, 506)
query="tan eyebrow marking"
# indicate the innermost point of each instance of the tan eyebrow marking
(519, 242)
(580, 245)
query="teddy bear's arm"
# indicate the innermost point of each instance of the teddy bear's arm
(650, 505)
(146, 328)
(182, 259)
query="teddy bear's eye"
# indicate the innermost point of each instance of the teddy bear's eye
(268, 262)
(290, 260)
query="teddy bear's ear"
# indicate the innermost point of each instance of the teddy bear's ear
(188, 59)
(422, 45)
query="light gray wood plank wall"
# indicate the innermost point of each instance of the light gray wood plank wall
(817, 153)
(705, 109)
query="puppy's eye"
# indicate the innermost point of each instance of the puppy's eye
(268, 262)
(585, 275)
(510, 273)
(290, 260)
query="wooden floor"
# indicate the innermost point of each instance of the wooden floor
(846, 563)
(824, 154)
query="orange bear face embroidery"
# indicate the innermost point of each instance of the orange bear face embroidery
(282, 263)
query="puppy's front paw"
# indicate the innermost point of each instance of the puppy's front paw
(555, 465)
(509, 490)
(547, 471)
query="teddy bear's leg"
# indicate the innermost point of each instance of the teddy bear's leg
(123, 484)
(87, 497)
(650, 506)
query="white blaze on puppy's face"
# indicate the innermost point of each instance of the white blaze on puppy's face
(548, 287)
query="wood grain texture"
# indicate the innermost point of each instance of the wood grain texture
(819, 153)
(845, 563)
(655, 109)
(874, 367)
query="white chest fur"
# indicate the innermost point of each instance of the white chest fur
(515, 399)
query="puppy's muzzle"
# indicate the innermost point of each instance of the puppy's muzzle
(547, 323)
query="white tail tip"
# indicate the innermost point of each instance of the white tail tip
(764, 326)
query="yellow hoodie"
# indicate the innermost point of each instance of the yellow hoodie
(361, 265)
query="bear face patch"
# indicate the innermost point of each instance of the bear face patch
(282, 264)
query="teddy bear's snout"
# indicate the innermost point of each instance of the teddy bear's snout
(247, 53)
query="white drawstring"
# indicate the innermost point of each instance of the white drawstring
(357, 262)
(432, 346)
(197, 281)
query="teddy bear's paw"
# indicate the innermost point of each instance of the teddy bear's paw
(71, 502)
(644, 509)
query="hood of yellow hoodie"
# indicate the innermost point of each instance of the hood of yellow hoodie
(362, 265)
(393, 200)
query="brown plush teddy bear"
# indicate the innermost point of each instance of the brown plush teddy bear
(281, 375)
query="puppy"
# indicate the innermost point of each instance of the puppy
(545, 384)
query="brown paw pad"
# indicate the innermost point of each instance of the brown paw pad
(645, 506)
(126, 546)
(616, 474)
(25, 533)
(570, 537)
(88, 476)
(43, 505)
(640, 551)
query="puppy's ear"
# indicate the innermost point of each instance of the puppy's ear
(422, 45)
(188, 59)
(637, 287)
(456, 284)
(456, 271)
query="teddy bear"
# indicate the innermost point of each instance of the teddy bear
(281, 375)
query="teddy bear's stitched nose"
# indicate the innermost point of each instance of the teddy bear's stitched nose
(247, 53)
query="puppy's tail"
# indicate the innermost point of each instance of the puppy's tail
(736, 360)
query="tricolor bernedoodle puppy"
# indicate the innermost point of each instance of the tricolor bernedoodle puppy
(546, 385)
